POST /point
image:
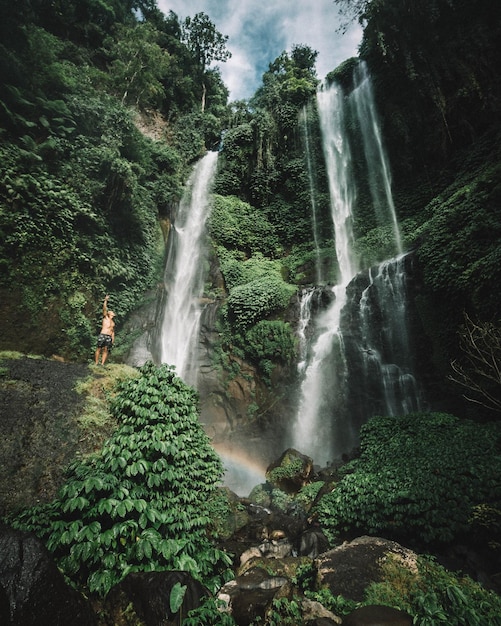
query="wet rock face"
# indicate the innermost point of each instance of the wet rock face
(150, 595)
(33, 591)
(38, 404)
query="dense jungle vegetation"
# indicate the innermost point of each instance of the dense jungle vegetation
(105, 105)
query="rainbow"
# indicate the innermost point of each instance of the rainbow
(243, 472)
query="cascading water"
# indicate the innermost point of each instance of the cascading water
(315, 430)
(377, 345)
(304, 321)
(358, 362)
(185, 272)
(378, 170)
(305, 125)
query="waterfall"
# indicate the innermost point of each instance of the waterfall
(378, 170)
(337, 154)
(304, 322)
(185, 272)
(310, 167)
(315, 431)
(358, 360)
(378, 347)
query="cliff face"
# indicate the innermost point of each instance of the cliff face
(40, 432)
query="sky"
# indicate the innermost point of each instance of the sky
(260, 30)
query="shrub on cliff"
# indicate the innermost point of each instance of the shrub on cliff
(143, 503)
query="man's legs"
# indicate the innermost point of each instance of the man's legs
(98, 351)
(105, 355)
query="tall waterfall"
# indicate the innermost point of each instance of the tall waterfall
(310, 166)
(323, 387)
(185, 272)
(358, 361)
(378, 170)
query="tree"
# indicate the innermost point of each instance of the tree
(479, 372)
(205, 43)
(138, 64)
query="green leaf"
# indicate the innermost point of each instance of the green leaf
(176, 597)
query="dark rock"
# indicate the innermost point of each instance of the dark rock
(291, 471)
(249, 596)
(33, 589)
(150, 595)
(315, 614)
(40, 436)
(350, 568)
(377, 615)
(312, 543)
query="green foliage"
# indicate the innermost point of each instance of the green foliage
(284, 612)
(204, 41)
(434, 596)
(239, 270)
(339, 605)
(418, 477)
(307, 494)
(237, 225)
(281, 500)
(142, 503)
(375, 246)
(460, 237)
(176, 597)
(289, 469)
(83, 186)
(210, 613)
(137, 64)
(270, 341)
(257, 299)
(76, 324)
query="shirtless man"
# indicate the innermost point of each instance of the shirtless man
(107, 334)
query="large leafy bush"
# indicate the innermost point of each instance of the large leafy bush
(143, 503)
(257, 299)
(237, 225)
(434, 596)
(418, 477)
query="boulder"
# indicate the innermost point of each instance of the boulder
(291, 471)
(315, 614)
(33, 591)
(348, 569)
(248, 597)
(150, 595)
(312, 542)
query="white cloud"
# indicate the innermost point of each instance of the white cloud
(259, 30)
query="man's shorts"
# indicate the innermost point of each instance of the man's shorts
(104, 341)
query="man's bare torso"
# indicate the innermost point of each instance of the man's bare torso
(108, 326)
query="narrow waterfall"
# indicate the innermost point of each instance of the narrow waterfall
(377, 343)
(378, 170)
(315, 430)
(304, 322)
(304, 121)
(185, 272)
